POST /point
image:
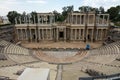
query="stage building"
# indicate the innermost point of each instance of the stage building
(78, 26)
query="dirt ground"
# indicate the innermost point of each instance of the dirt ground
(48, 44)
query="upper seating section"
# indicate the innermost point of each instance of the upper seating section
(15, 49)
(104, 54)
(4, 43)
(9, 48)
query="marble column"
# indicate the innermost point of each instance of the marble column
(42, 19)
(29, 19)
(103, 20)
(68, 19)
(92, 34)
(26, 34)
(65, 34)
(76, 19)
(26, 19)
(75, 34)
(84, 19)
(20, 34)
(83, 34)
(57, 34)
(17, 34)
(51, 33)
(34, 20)
(80, 19)
(88, 19)
(108, 20)
(54, 18)
(98, 19)
(79, 34)
(20, 19)
(97, 35)
(72, 19)
(43, 34)
(46, 19)
(54, 34)
(46, 33)
(38, 18)
(101, 34)
(71, 34)
(30, 35)
(15, 20)
(38, 34)
(87, 34)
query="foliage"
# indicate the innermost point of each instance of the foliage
(114, 13)
(34, 16)
(60, 17)
(12, 15)
(65, 12)
(91, 9)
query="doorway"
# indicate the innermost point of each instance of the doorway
(61, 35)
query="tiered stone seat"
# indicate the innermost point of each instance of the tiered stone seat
(104, 55)
(15, 49)
(1, 49)
(60, 54)
(6, 63)
(52, 59)
(22, 59)
(2, 57)
(83, 66)
(4, 43)
(10, 71)
(108, 70)
(115, 63)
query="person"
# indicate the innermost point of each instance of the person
(87, 47)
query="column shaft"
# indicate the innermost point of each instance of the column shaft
(97, 35)
(83, 34)
(76, 19)
(30, 35)
(26, 34)
(18, 34)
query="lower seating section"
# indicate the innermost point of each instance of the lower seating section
(53, 59)
(15, 49)
(73, 74)
(7, 63)
(108, 77)
(57, 54)
(3, 43)
(2, 57)
(96, 62)
(12, 71)
(4, 78)
(22, 59)
(105, 54)
(91, 69)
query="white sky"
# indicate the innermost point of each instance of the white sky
(50, 5)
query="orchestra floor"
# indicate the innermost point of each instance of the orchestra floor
(61, 44)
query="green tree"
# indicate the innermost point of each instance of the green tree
(101, 9)
(88, 9)
(65, 12)
(23, 16)
(57, 16)
(34, 16)
(12, 15)
(114, 13)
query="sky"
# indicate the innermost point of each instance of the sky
(50, 5)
